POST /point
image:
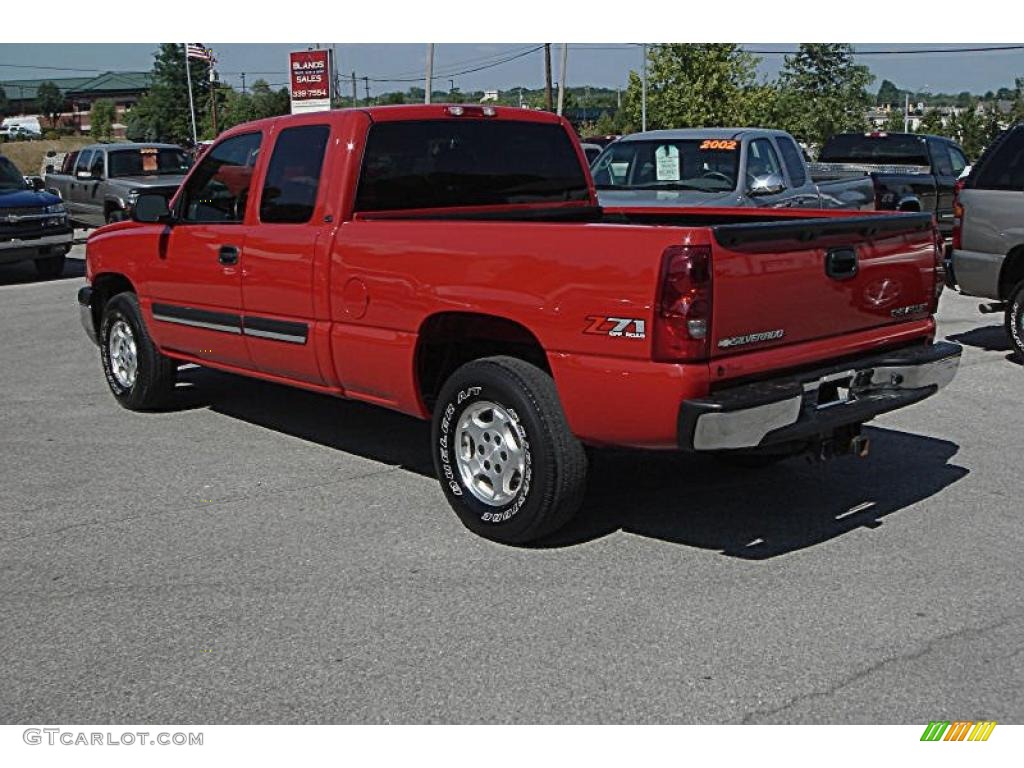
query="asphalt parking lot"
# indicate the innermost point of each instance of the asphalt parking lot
(266, 555)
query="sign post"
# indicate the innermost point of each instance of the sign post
(310, 80)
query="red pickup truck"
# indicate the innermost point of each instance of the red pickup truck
(451, 262)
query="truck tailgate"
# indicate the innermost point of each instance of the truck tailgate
(785, 283)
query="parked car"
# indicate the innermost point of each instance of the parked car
(458, 268)
(101, 182)
(33, 223)
(909, 171)
(718, 167)
(24, 127)
(988, 233)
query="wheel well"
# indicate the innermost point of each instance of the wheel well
(105, 287)
(451, 339)
(910, 206)
(1012, 272)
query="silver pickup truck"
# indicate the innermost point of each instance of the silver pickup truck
(101, 182)
(718, 167)
(988, 233)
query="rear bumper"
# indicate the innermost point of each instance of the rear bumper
(814, 404)
(977, 272)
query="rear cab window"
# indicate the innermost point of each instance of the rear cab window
(875, 149)
(293, 176)
(462, 162)
(1003, 168)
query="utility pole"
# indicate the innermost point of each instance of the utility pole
(547, 77)
(643, 92)
(243, 83)
(561, 78)
(213, 101)
(366, 84)
(355, 91)
(906, 113)
(429, 85)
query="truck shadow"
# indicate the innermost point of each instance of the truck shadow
(990, 338)
(759, 514)
(692, 500)
(22, 272)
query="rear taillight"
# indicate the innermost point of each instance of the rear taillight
(958, 215)
(940, 270)
(682, 316)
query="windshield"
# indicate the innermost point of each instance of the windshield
(874, 149)
(704, 165)
(147, 161)
(10, 177)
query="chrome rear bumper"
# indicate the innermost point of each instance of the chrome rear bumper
(814, 404)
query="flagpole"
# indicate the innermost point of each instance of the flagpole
(191, 103)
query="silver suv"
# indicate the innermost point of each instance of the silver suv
(988, 234)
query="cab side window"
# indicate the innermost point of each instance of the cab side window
(957, 158)
(793, 159)
(293, 176)
(84, 161)
(762, 160)
(1003, 168)
(218, 189)
(941, 165)
(96, 167)
(68, 166)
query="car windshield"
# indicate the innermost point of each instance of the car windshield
(874, 149)
(703, 165)
(10, 177)
(147, 161)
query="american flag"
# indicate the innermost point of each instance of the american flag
(198, 51)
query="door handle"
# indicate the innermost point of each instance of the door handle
(841, 263)
(228, 255)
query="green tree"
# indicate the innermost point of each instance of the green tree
(50, 101)
(163, 113)
(895, 122)
(261, 101)
(888, 93)
(705, 84)
(823, 92)
(101, 119)
(932, 123)
(974, 129)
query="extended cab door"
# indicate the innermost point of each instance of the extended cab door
(91, 198)
(286, 250)
(79, 184)
(196, 286)
(762, 165)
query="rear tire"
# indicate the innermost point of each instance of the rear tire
(50, 267)
(504, 455)
(139, 377)
(116, 214)
(1015, 319)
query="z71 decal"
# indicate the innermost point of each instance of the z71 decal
(619, 327)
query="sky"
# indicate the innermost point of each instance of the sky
(394, 67)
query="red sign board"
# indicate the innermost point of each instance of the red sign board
(310, 76)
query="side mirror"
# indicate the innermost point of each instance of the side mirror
(38, 184)
(771, 184)
(84, 175)
(151, 209)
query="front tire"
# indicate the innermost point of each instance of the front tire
(51, 267)
(504, 455)
(1015, 319)
(139, 377)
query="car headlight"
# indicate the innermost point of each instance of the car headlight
(59, 209)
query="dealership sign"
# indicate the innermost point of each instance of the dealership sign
(310, 80)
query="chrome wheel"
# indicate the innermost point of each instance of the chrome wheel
(122, 350)
(490, 454)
